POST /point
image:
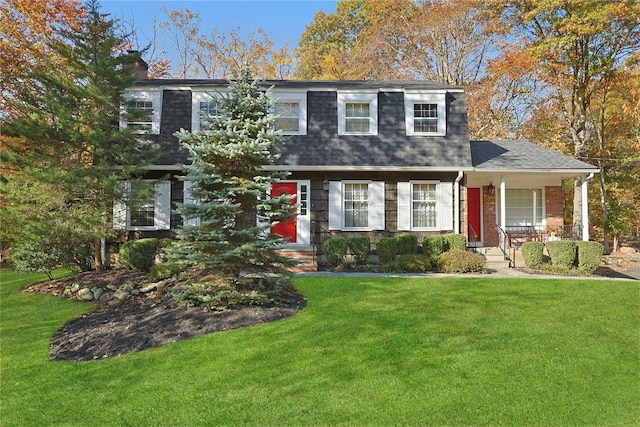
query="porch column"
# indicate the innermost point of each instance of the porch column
(503, 203)
(503, 212)
(456, 203)
(585, 208)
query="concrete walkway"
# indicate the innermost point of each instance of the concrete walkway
(492, 272)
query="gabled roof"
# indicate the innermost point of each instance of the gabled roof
(521, 156)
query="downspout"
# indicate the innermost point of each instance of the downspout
(585, 207)
(456, 203)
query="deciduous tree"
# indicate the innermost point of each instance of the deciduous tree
(575, 48)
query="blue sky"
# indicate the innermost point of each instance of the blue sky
(284, 20)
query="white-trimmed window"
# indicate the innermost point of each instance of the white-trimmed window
(203, 105)
(141, 112)
(357, 113)
(144, 209)
(356, 205)
(523, 207)
(290, 111)
(425, 114)
(425, 206)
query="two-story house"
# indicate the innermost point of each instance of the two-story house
(375, 157)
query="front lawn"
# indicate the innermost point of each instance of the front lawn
(365, 351)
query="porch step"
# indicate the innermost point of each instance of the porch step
(495, 258)
(306, 260)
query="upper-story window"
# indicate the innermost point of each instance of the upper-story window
(425, 114)
(290, 111)
(141, 111)
(357, 113)
(208, 109)
(204, 105)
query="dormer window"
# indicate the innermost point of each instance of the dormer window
(204, 105)
(290, 111)
(425, 114)
(287, 116)
(357, 113)
(207, 110)
(141, 112)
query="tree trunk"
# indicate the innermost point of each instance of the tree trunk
(97, 255)
(605, 210)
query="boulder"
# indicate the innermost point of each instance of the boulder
(85, 294)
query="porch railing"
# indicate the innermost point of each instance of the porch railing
(473, 237)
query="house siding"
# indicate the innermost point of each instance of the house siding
(176, 115)
(320, 204)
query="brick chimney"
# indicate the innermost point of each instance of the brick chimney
(141, 67)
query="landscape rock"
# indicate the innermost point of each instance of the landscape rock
(627, 250)
(120, 294)
(97, 292)
(85, 294)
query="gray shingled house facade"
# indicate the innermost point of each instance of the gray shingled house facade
(369, 157)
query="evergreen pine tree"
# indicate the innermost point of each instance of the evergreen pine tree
(230, 184)
(64, 141)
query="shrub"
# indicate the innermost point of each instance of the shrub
(562, 253)
(164, 270)
(532, 254)
(414, 263)
(138, 254)
(217, 296)
(35, 257)
(360, 247)
(462, 261)
(406, 243)
(433, 247)
(334, 250)
(455, 241)
(589, 256)
(387, 249)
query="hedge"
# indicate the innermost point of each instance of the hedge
(414, 263)
(462, 261)
(563, 253)
(360, 247)
(387, 249)
(434, 246)
(532, 254)
(334, 250)
(455, 241)
(589, 256)
(407, 244)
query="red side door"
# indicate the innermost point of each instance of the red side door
(473, 215)
(287, 229)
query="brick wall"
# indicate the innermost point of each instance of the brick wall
(554, 207)
(491, 237)
(554, 202)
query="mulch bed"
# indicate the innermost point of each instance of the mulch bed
(142, 322)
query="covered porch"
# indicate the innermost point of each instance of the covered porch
(515, 194)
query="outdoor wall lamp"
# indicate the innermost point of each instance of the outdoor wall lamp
(325, 185)
(491, 189)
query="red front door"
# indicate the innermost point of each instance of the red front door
(287, 229)
(473, 215)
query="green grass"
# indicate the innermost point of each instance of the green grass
(365, 351)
